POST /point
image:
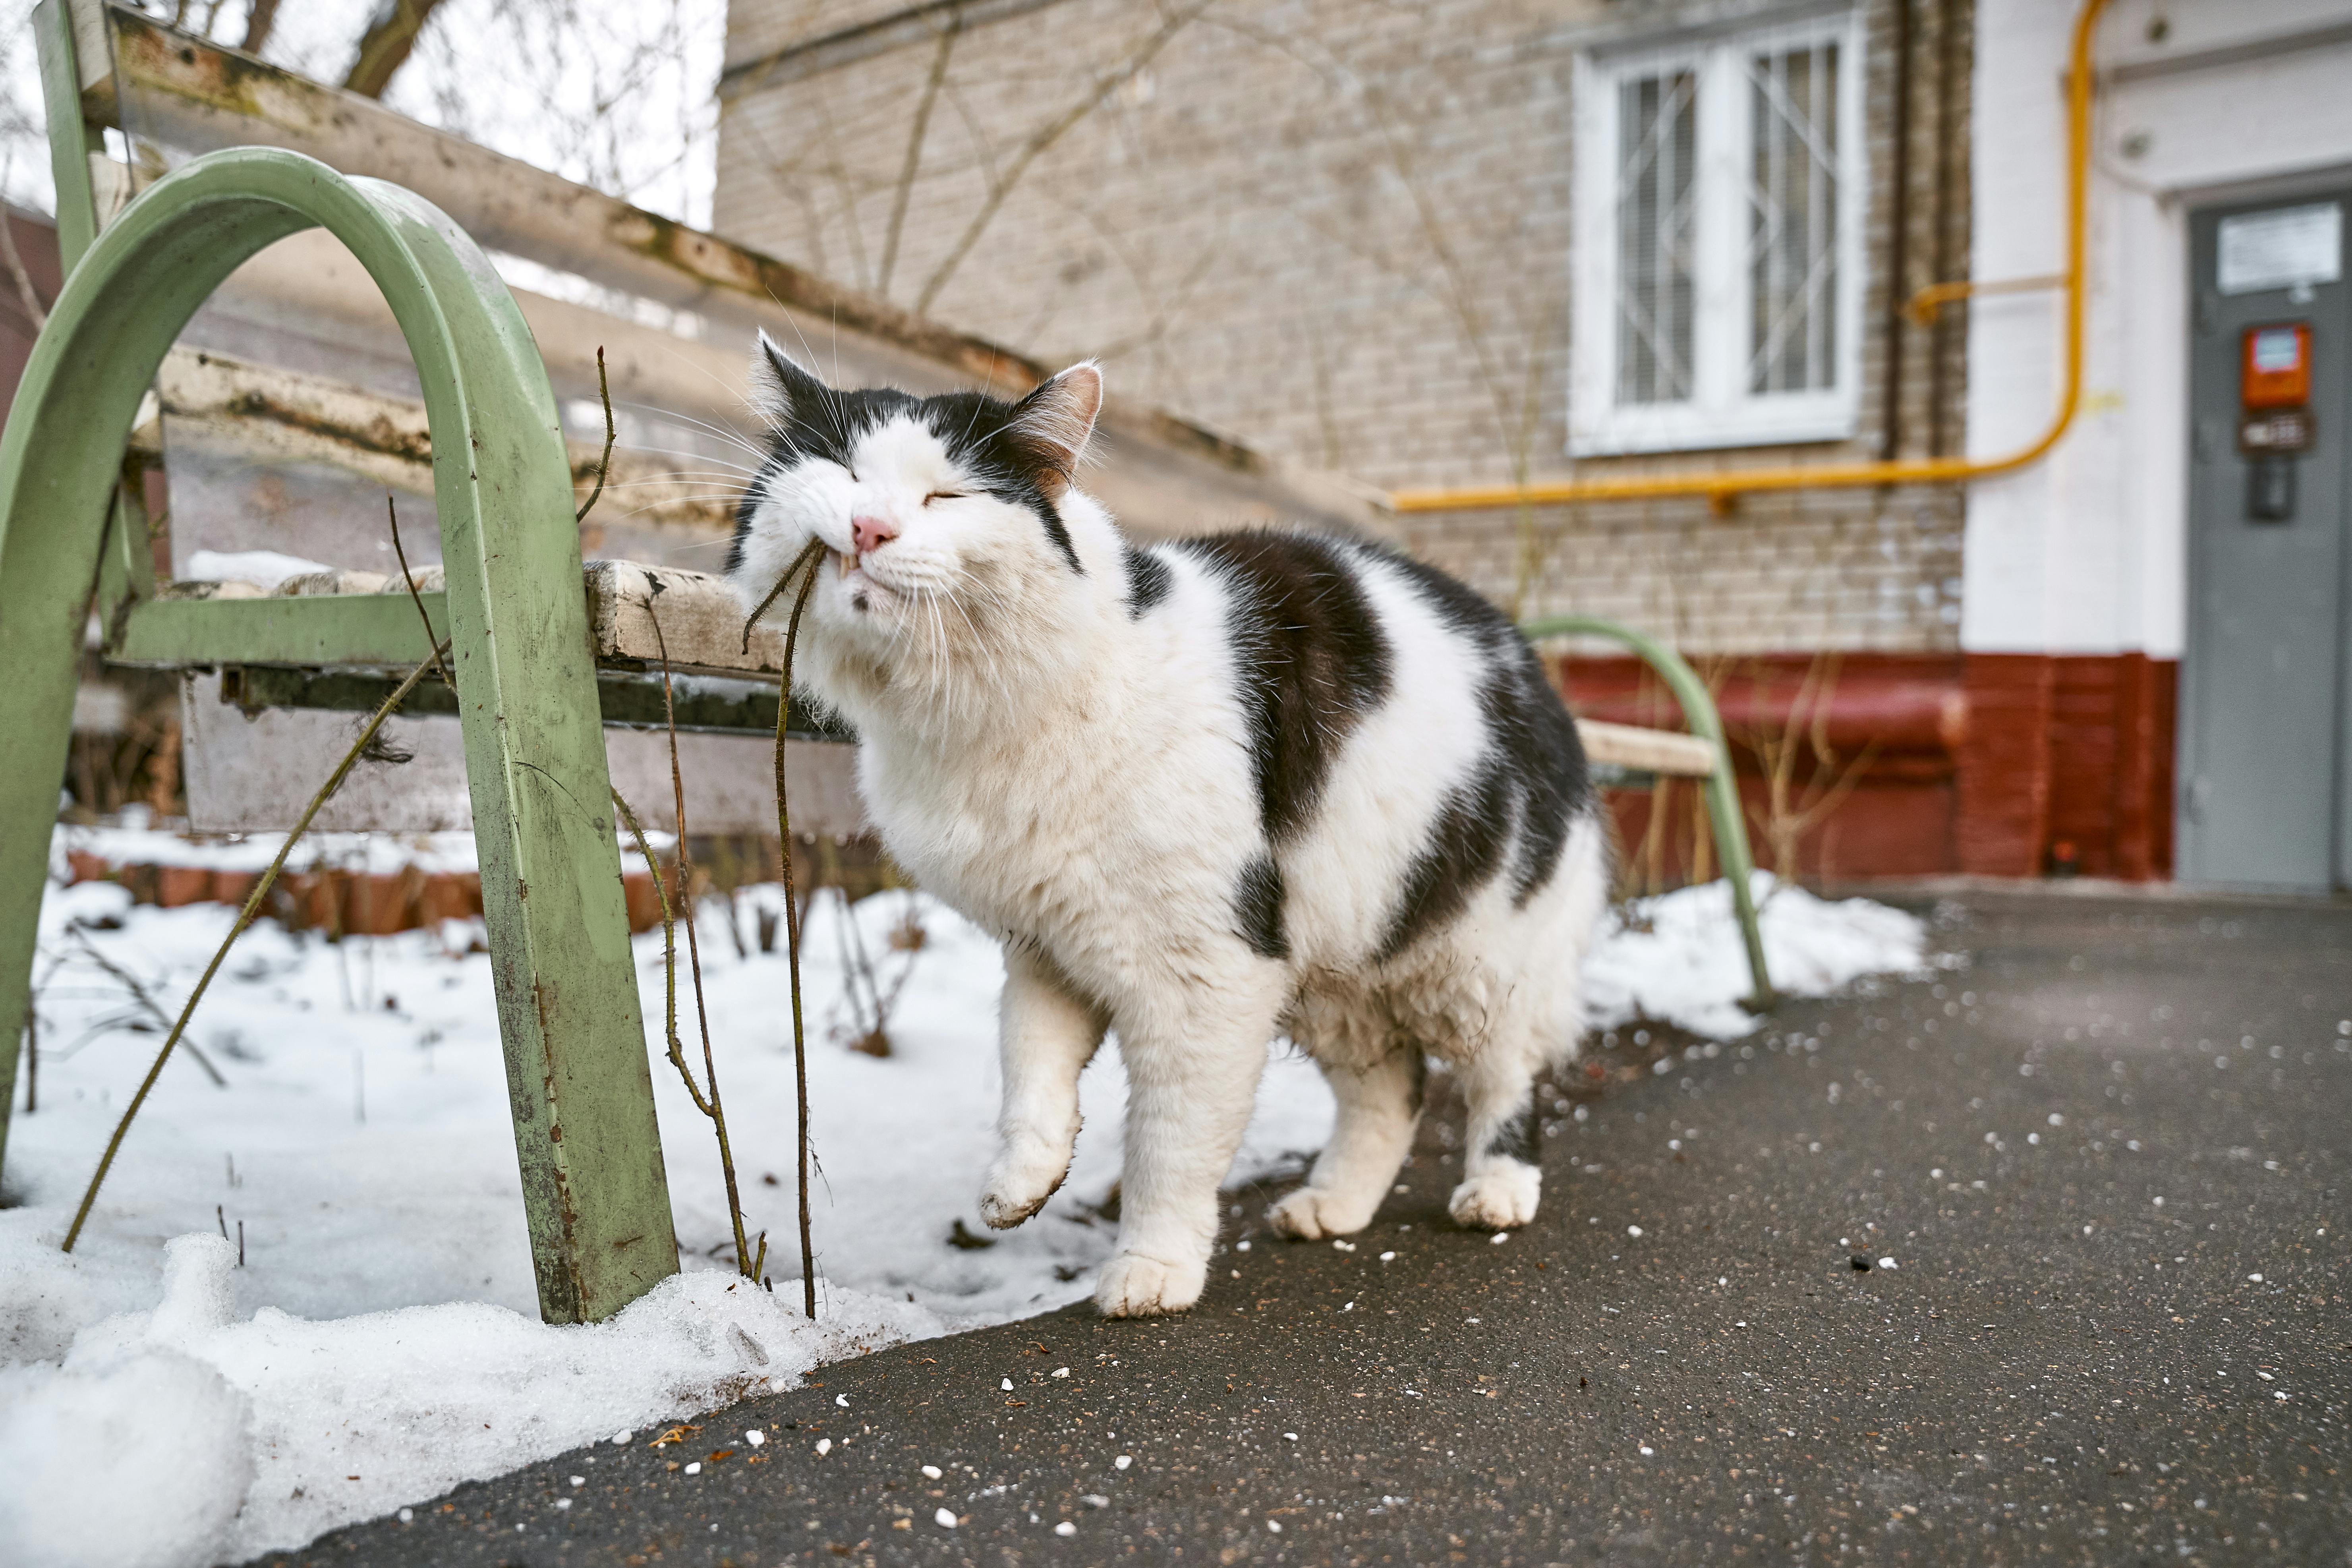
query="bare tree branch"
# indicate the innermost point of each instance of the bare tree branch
(259, 25)
(1043, 138)
(914, 160)
(385, 47)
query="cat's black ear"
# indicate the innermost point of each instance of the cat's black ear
(1054, 423)
(784, 393)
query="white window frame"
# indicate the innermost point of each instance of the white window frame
(1721, 411)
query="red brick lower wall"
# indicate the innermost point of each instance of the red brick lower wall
(2067, 765)
(1909, 765)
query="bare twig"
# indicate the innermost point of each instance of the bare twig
(131, 983)
(244, 919)
(683, 858)
(669, 954)
(416, 598)
(806, 559)
(603, 464)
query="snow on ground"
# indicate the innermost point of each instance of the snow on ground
(380, 1342)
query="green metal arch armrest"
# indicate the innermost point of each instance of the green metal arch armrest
(568, 1009)
(1722, 785)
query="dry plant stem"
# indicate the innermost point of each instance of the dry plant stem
(605, 463)
(409, 579)
(804, 567)
(745, 1264)
(669, 955)
(245, 918)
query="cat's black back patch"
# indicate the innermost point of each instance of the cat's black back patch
(1467, 847)
(1310, 656)
(1257, 905)
(1518, 807)
(1149, 580)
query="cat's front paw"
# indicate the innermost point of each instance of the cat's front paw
(1017, 1188)
(1134, 1286)
(1311, 1213)
(1500, 1197)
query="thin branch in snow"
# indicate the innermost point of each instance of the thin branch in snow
(244, 919)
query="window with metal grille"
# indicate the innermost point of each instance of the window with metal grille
(1719, 228)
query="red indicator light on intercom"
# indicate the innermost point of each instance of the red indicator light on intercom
(2276, 370)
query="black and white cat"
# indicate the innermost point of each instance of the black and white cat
(1206, 791)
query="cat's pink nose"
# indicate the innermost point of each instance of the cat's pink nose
(868, 532)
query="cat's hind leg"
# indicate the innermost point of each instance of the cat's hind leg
(1378, 1107)
(1046, 1033)
(1503, 1176)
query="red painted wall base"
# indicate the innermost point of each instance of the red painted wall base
(1905, 765)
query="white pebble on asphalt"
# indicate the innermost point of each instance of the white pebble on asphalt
(1633, 1230)
(755, 1438)
(1065, 1528)
(1886, 1263)
(580, 1480)
(620, 1438)
(1006, 1386)
(1387, 1258)
(823, 1447)
(932, 1470)
(1122, 1461)
(946, 1517)
(1061, 1371)
(1275, 1525)
(1501, 1236)
(695, 1468)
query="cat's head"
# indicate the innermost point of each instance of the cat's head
(936, 513)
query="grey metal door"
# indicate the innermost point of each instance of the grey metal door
(2264, 797)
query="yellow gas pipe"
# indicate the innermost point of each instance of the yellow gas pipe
(1722, 485)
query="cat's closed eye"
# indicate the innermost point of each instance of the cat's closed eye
(945, 495)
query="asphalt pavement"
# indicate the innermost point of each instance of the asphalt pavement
(2040, 1259)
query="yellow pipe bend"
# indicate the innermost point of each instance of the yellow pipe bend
(1723, 485)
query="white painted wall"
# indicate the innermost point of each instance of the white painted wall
(2086, 552)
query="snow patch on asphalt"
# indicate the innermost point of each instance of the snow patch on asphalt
(1680, 959)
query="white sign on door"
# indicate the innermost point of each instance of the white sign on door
(2282, 248)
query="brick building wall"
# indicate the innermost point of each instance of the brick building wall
(1340, 231)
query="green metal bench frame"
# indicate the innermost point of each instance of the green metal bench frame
(594, 1188)
(1723, 808)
